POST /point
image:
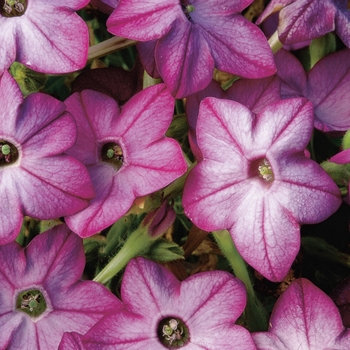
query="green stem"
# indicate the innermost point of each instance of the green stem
(138, 242)
(255, 313)
(109, 46)
(274, 42)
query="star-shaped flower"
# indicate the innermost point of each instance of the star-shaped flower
(304, 317)
(46, 36)
(36, 178)
(42, 294)
(125, 151)
(162, 312)
(255, 180)
(184, 40)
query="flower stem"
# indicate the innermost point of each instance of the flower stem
(274, 42)
(255, 313)
(109, 46)
(137, 243)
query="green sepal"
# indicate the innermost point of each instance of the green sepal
(321, 47)
(346, 140)
(164, 251)
(29, 81)
(340, 173)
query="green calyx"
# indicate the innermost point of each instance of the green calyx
(31, 302)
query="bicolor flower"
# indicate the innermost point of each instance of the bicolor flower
(182, 41)
(36, 178)
(42, 294)
(255, 181)
(46, 36)
(125, 151)
(326, 85)
(301, 20)
(304, 317)
(164, 313)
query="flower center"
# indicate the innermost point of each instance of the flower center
(265, 170)
(8, 153)
(112, 153)
(173, 333)
(187, 9)
(31, 302)
(13, 8)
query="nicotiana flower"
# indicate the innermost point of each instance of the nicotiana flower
(125, 151)
(301, 20)
(255, 180)
(162, 312)
(36, 178)
(46, 36)
(303, 318)
(326, 85)
(42, 294)
(185, 40)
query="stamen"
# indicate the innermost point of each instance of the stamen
(173, 333)
(265, 171)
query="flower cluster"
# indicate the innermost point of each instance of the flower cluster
(222, 131)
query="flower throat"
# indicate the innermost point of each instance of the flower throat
(12, 8)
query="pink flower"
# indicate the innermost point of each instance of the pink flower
(42, 294)
(125, 151)
(184, 40)
(46, 36)
(341, 297)
(301, 20)
(326, 85)
(255, 180)
(162, 312)
(36, 178)
(304, 318)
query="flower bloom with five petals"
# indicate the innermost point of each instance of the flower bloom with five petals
(124, 150)
(182, 41)
(46, 36)
(36, 178)
(255, 180)
(162, 312)
(42, 294)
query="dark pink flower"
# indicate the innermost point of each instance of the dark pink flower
(199, 311)
(46, 36)
(125, 151)
(185, 40)
(304, 317)
(255, 180)
(341, 297)
(301, 20)
(36, 178)
(326, 85)
(42, 294)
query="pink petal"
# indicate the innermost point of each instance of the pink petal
(11, 98)
(342, 157)
(71, 341)
(63, 182)
(175, 65)
(11, 210)
(37, 32)
(226, 36)
(146, 51)
(143, 20)
(303, 316)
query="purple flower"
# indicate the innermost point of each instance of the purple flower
(125, 151)
(46, 36)
(42, 294)
(162, 312)
(301, 20)
(36, 178)
(185, 40)
(255, 180)
(304, 318)
(326, 85)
